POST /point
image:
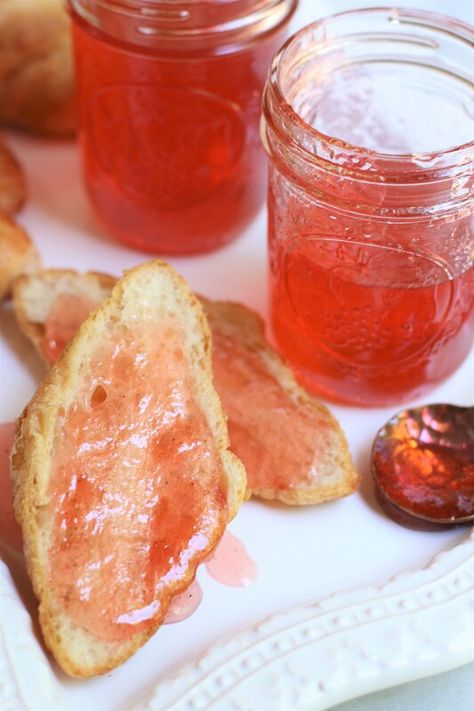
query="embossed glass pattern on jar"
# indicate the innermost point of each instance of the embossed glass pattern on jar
(169, 100)
(369, 125)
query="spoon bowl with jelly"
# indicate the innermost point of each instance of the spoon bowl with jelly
(423, 466)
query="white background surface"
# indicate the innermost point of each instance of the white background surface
(302, 555)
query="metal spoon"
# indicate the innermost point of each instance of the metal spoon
(423, 466)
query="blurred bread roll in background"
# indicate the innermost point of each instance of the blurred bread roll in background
(18, 254)
(12, 181)
(36, 67)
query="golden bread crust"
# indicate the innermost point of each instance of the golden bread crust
(18, 254)
(34, 294)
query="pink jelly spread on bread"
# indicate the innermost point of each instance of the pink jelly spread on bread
(260, 412)
(67, 313)
(260, 416)
(137, 490)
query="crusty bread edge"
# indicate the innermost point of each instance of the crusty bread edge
(33, 330)
(18, 254)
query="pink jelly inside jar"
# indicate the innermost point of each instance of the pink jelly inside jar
(368, 126)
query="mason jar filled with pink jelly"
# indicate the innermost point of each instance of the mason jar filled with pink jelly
(169, 98)
(369, 126)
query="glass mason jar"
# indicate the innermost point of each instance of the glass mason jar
(169, 100)
(369, 126)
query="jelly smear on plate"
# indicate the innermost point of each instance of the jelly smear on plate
(230, 564)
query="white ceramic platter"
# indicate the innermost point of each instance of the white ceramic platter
(348, 631)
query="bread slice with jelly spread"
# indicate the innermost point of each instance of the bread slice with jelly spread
(51, 305)
(293, 448)
(123, 478)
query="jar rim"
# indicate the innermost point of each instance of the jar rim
(174, 19)
(458, 29)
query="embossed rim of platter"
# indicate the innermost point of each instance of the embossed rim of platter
(314, 656)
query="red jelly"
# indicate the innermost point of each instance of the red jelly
(423, 465)
(169, 105)
(371, 231)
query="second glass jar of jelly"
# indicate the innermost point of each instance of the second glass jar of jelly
(169, 100)
(369, 126)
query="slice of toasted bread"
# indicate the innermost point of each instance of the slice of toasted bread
(18, 254)
(12, 181)
(36, 296)
(293, 448)
(122, 475)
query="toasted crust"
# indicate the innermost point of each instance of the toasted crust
(12, 181)
(33, 296)
(18, 255)
(36, 67)
(153, 286)
(337, 474)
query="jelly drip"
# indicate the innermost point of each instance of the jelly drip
(230, 563)
(184, 604)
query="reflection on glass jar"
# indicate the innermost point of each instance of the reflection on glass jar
(169, 103)
(369, 126)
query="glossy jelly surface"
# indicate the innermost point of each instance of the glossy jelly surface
(184, 604)
(171, 152)
(423, 463)
(137, 490)
(367, 323)
(230, 564)
(371, 221)
(260, 412)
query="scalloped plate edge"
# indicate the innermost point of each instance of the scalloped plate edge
(309, 657)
